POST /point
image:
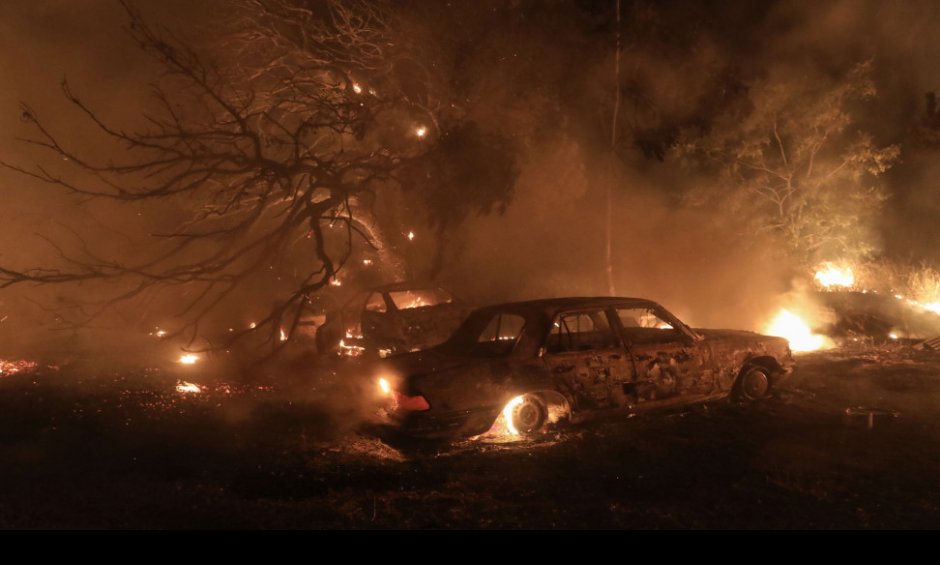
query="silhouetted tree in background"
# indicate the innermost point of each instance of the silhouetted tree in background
(787, 160)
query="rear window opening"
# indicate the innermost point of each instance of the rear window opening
(420, 298)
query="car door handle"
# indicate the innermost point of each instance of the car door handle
(564, 368)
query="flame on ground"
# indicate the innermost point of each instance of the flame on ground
(350, 350)
(788, 325)
(829, 275)
(184, 387)
(8, 368)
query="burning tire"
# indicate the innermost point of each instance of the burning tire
(753, 384)
(525, 415)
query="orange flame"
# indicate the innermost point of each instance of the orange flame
(188, 359)
(788, 325)
(184, 387)
(829, 275)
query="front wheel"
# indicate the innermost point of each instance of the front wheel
(753, 384)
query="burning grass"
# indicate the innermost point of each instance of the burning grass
(8, 368)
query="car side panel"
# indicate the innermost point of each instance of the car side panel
(671, 370)
(592, 379)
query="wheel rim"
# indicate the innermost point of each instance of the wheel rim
(755, 384)
(527, 416)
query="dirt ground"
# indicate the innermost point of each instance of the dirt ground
(129, 451)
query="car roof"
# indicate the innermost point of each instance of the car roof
(552, 306)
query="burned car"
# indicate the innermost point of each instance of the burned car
(530, 362)
(394, 318)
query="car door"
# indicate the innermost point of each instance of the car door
(670, 366)
(376, 321)
(588, 359)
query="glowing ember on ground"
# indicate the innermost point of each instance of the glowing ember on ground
(188, 359)
(336, 282)
(829, 275)
(8, 368)
(356, 88)
(411, 236)
(421, 131)
(283, 335)
(350, 350)
(893, 335)
(790, 326)
(184, 387)
(253, 325)
(367, 262)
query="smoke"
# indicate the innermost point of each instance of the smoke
(543, 79)
(550, 242)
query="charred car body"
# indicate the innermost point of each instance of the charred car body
(575, 357)
(394, 318)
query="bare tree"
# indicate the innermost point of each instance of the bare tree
(287, 136)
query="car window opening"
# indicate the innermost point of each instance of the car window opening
(581, 331)
(500, 335)
(376, 303)
(420, 298)
(644, 325)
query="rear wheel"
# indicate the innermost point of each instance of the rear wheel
(753, 384)
(527, 416)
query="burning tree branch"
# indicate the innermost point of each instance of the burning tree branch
(264, 152)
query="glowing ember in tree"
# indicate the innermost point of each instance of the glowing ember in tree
(356, 88)
(421, 131)
(411, 236)
(336, 282)
(790, 326)
(829, 275)
(189, 359)
(184, 387)
(385, 387)
(283, 335)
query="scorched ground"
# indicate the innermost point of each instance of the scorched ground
(130, 450)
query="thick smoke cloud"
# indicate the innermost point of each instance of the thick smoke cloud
(549, 241)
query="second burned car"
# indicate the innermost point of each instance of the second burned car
(574, 356)
(392, 318)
